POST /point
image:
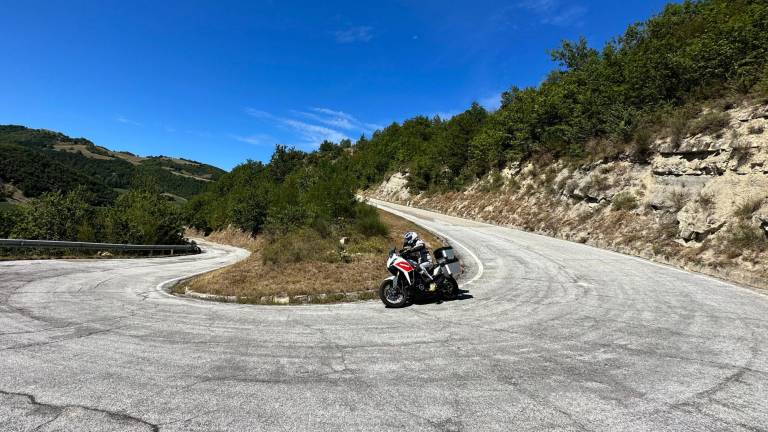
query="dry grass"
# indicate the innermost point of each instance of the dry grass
(230, 236)
(746, 209)
(253, 278)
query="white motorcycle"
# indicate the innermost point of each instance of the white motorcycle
(407, 283)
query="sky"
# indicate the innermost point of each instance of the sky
(225, 81)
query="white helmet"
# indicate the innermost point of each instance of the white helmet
(410, 238)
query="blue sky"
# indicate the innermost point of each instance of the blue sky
(224, 81)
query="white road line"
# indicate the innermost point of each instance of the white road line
(480, 268)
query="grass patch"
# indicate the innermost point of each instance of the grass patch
(744, 237)
(746, 209)
(303, 263)
(625, 201)
(710, 123)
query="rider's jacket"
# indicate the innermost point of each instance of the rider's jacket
(418, 253)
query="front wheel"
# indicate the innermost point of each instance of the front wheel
(391, 295)
(450, 288)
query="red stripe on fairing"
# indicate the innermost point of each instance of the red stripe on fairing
(404, 266)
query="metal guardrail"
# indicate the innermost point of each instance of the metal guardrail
(54, 244)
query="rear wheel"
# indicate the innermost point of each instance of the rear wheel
(391, 295)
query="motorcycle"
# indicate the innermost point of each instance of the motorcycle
(406, 281)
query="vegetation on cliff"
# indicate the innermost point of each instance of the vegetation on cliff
(598, 103)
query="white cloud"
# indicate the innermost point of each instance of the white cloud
(258, 113)
(314, 134)
(554, 12)
(354, 34)
(571, 15)
(125, 120)
(256, 140)
(331, 125)
(338, 119)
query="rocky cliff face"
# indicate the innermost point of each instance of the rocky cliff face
(699, 202)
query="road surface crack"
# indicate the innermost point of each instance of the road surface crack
(120, 416)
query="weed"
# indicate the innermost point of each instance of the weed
(367, 221)
(746, 209)
(599, 183)
(710, 123)
(494, 182)
(706, 200)
(624, 201)
(668, 229)
(678, 198)
(744, 237)
(563, 182)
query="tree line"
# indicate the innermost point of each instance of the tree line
(597, 102)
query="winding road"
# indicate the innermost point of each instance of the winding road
(556, 336)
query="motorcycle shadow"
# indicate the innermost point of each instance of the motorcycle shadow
(425, 300)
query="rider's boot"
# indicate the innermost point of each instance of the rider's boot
(431, 285)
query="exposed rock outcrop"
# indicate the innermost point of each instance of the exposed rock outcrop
(688, 205)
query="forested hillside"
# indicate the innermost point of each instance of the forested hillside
(606, 103)
(603, 102)
(37, 161)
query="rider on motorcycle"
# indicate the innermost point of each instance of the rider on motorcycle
(416, 251)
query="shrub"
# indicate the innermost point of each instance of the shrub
(5, 192)
(142, 217)
(746, 209)
(706, 200)
(54, 216)
(301, 245)
(598, 183)
(8, 218)
(678, 198)
(624, 201)
(710, 123)
(743, 237)
(494, 182)
(367, 221)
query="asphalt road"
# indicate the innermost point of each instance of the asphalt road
(557, 336)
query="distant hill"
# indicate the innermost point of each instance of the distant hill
(34, 161)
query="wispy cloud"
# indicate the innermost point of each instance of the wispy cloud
(354, 34)
(256, 139)
(314, 134)
(337, 119)
(311, 126)
(555, 12)
(125, 120)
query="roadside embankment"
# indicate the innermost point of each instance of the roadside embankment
(698, 202)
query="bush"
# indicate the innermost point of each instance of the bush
(299, 246)
(706, 200)
(8, 219)
(140, 217)
(756, 130)
(54, 216)
(746, 209)
(744, 237)
(625, 201)
(367, 221)
(710, 123)
(678, 198)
